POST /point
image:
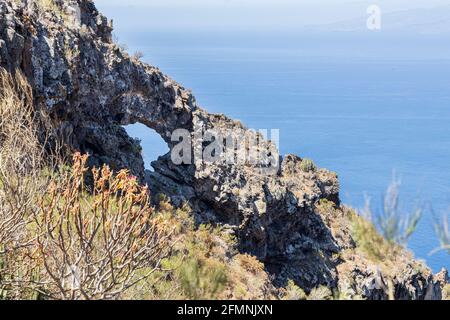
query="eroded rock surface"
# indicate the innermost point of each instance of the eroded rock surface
(90, 88)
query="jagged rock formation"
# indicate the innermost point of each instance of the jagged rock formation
(90, 88)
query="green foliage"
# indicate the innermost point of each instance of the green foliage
(345, 294)
(370, 241)
(443, 232)
(202, 278)
(202, 273)
(308, 165)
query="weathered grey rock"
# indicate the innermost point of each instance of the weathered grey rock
(90, 88)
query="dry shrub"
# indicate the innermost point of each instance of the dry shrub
(86, 246)
(97, 246)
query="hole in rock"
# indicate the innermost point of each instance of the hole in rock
(153, 146)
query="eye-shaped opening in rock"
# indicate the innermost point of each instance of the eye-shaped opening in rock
(153, 146)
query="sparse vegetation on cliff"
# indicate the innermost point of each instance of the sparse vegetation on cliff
(204, 264)
(64, 239)
(56, 240)
(51, 6)
(446, 292)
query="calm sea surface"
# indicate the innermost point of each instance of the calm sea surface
(363, 106)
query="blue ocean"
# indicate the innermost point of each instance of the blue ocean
(366, 106)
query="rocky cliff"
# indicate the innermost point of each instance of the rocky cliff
(291, 220)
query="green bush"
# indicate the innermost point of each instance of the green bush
(293, 292)
(369, 241)
(308, 165)
(443, 233)
(396, 225)
(446, 292)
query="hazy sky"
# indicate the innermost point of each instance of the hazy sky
(246, 14)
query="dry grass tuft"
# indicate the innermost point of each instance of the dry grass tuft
(21, 178)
